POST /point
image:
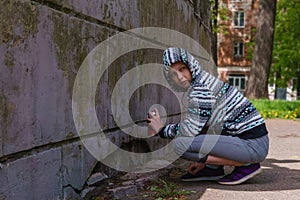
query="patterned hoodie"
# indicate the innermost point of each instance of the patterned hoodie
(211, 103)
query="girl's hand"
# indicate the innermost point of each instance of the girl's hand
(154, 121)
(195, 167)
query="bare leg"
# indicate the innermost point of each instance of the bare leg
(214, 160)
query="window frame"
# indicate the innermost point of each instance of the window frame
(237, 80)
(240, 52)
(238, 18)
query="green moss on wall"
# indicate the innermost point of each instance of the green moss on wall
(19, 20)
(69, 45)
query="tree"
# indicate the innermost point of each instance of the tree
(218, 12)
(257, 86)
(286, 50)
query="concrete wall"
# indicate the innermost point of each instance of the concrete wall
(42, 45)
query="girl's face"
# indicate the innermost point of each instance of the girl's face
(180, 74)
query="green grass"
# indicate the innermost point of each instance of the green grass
(169, 191)
(278, 108)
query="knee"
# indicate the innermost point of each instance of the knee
(180, 145)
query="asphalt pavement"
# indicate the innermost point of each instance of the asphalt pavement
(280, 177)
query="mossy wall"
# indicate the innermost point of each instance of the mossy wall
(42, 46)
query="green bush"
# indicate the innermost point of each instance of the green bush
(277, 108)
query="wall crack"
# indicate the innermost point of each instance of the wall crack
(77, 14)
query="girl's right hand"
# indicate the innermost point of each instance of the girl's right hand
(154, 121)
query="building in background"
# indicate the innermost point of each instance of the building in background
(234, 41)
(235, 44)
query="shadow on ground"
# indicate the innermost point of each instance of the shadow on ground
(276, 176)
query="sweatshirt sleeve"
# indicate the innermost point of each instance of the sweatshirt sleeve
(200, 104)
(169, 131)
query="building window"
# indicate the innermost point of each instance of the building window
(238, 81)
(238, 19)
(238, 49)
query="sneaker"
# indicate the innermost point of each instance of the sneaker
(205, 174)
(241, 174)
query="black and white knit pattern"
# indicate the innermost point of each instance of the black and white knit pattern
(210, 102)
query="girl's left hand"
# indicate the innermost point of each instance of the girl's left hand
(195, 167)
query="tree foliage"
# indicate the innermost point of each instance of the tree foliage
(218, 12)
(286, 50)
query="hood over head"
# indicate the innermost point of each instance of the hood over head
(173, 55)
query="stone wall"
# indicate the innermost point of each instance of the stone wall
(42, 46)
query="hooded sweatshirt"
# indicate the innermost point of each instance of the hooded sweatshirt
(211, 103)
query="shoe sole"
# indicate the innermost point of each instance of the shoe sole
(213, 178)
(243, 179)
